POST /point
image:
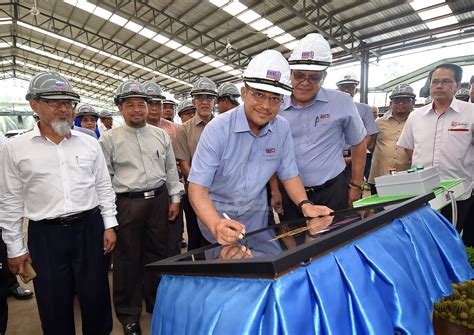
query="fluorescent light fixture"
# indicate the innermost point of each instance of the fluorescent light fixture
(442, 22)
(185, 50)
(217, 64)
(273, 31)
(102, 13)
(87, 6)
(248, 16)
(235, 72)
(448, 33)
(4, 45)
(5, 22)
(71, 2)
(435, 12)
(118, 20)
(234, 8)
(420, 4)
(284, 38)
(132, 26)
(173, 44)
(147, 33)
(226, 68)
(261, 24)
(219, 3)
(160, 39)
(207, 59)
(196, 54)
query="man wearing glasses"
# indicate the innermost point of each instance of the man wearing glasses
(319, 119)
(58, 178)
(204, 98)
(238, 153)
(387, 156)
(442, 134)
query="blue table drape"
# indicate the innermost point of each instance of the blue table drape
(383, 283)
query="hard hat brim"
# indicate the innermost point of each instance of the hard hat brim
(268, 88)
(348, 82)
(308, 67)
(58, 97)
(403, 95)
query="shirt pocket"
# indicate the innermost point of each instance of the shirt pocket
(85, 163)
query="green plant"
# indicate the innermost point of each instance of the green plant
(470, 255)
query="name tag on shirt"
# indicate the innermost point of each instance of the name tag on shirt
(459, 126)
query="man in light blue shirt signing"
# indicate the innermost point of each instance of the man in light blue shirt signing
(240, 150)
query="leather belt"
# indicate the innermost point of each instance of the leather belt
(325, 185)
(149, 194)
(69, 219)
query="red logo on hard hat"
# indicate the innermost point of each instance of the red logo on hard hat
(307, 55)
(274, 75)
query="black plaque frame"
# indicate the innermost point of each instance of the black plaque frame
(275, 266)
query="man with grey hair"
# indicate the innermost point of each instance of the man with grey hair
(58, 179)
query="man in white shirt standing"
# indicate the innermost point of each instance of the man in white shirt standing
(442, 134)
(58, 178)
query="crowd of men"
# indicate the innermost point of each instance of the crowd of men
(128, 191)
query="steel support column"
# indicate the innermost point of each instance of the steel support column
(364, 76)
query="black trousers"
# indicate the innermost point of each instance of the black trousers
(465, 222)
(175, 230)
(335, 196)
(69, 259)
(4, 285)
(142, 238)
(195, 238)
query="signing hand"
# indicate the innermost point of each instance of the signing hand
(228, 231)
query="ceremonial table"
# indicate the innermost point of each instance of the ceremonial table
(380, 275)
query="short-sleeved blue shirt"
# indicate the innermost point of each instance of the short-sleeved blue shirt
(235, 165)
(367, 117)
(318, 132)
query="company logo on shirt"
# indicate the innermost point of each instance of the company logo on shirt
(307, 55)
(270, 151)
(325, 116)
(459, 126)
(273, 75)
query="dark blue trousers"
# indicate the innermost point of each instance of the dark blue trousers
(69, 260)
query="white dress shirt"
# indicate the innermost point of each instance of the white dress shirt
(43, 180)
(444, 140)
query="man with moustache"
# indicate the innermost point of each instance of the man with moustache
(442, 134)
(204, 94)
(169, 109)
(387, 156)
(319, 119)
(142, 166)
(238, 153)
(57, 178)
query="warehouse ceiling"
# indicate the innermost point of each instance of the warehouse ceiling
(98, 44)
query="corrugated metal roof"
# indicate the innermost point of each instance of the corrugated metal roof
(379, 24)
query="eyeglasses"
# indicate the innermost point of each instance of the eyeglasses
(443, 82)
(261, 98)
(401, 100)
(313, 79)
(204, 97)
(56, 103)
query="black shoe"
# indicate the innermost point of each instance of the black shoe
(132, 329)
(20, 293)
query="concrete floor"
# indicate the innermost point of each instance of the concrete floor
(23, 317)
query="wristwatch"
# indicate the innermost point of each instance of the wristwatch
(300, 205)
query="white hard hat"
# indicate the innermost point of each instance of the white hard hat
(348, 78)
(269, 71)
(312, 53)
